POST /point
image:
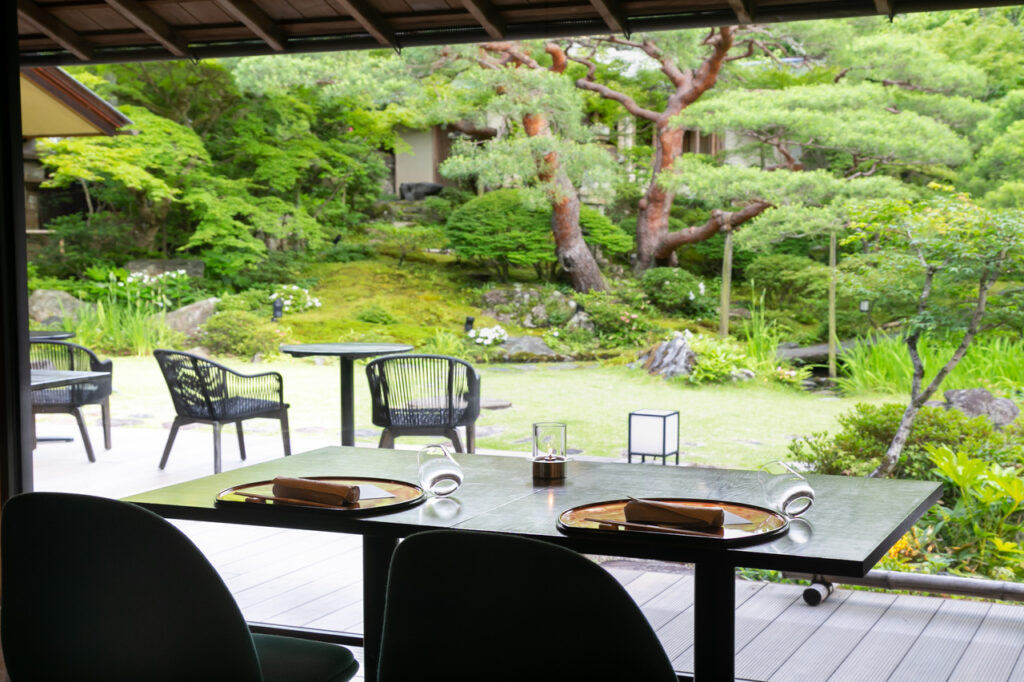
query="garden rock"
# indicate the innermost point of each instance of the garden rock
(50, 306)
(671, 358)
(742, 375)
(978, 401)
(580, 320)
(527, 348)
(160, 266)
(189, 319)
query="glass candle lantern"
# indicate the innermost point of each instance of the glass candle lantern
(549, 455)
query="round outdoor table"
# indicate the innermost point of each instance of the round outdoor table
(346, 352)
(48, 335)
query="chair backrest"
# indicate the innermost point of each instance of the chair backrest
(196, 384)
(97, 589)
(465, 605)
(69, 356)
(423, 390)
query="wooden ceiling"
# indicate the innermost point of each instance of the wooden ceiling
(55, 32)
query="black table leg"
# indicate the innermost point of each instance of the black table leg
(714, 622)
(348, 423)
(377, 551)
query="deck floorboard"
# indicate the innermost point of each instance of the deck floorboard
(309, 579)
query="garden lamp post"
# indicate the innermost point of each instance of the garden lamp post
(278, 310)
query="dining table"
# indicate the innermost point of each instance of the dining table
(347, 353)
(40, 379)
(851, 525)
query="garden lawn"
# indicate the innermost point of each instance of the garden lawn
(727, 426)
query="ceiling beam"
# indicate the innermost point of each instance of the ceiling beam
(257, 21)
(885, 7)
(744, 10)
(369, 18)
(487, 16)
(57, 30)
(612, 15)
(152, 24)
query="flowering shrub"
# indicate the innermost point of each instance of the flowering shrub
(116, 286)
(616, 324)
(295, 298)
(675, 290)
(487, 336)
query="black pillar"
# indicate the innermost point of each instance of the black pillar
(15, 399)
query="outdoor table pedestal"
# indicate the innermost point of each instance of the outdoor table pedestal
(346, 353)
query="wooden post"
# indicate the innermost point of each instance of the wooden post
(15, 399)
(832, 305)
(723, 307)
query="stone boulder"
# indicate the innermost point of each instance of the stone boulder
(527, 348)
(49, 306)
(670, 358)
(189, 319)
(975, 402)
(159, 266)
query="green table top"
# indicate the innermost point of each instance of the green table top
(852, 524)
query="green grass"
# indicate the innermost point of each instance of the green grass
(419, 297)
(993, 362)
(726, 426)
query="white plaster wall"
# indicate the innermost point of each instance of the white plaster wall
(417, 164)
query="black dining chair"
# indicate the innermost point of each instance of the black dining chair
(465, 605)
(206, 392)
(424, 395)
(62, 355)
(98, 589)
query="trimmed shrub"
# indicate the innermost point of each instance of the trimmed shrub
(789, 280)
(502, 229)
(866, 431)
(239, 333)
(512, 227)
(674, 290)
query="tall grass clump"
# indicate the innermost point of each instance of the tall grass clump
(881, 364)
(762, 336)
(122, 328)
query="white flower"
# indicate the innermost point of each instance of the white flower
(555, 333)
(700, 286)
(472, 333)
(692, 296)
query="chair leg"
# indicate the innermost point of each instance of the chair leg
(286, 434)
(105, 407)
(387, 439)
(241, 439)
(471, 438)
(456, 441)
(170, 442)
(216, 447)
(85, 434)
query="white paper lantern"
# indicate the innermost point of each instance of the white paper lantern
(654, 433)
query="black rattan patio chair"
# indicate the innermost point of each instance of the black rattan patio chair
(424, 395)
(206, 392)
(70, 399)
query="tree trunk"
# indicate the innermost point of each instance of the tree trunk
(656, 203)
(570, 248)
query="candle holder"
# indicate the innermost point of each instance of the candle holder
(549, 458)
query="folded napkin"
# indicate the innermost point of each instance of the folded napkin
(675, 514)
(309, 490)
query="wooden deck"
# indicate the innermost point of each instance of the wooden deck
(314, 580)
